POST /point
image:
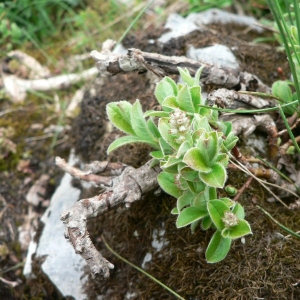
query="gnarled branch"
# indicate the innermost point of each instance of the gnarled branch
(126, 188)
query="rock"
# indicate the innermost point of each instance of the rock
(63, 267)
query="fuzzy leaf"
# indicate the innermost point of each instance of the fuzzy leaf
(157, 154)
(206, 223)
(153, 128)
(197, 77)
(175, 211)
(201, 123)
(170, 102)
(156, 113)
(184, 147)
(194, 225)
(216, 210)
(237, 231)
(228, 202)
(200, 200)
(230, 141)
(239, 211)
(216, 177)
(184, 200)
(190, 215)
(282, 90)
(138, 122)
(166, 87)
(167, 183)
(189, 174)
(218, 248)
(119, 115)
(186, 77)
(128, 139)
(195, 92)
(195, 160)
(184, 100)
(164, 146)
(208, 146)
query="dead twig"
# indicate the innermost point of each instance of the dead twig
(109, 63)
(126, 188)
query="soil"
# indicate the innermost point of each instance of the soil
(266, 266)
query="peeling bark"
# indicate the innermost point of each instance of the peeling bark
(126, 188)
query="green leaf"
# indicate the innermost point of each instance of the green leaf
(184, 200)
(119, 115)
(190, 215)
(184, 100)
(156, 113)
(195, 92)
(194, 159)
(281, 89)
(189, 174)
(223, 159)
(167, 183)
(184, 147)
(237, 231)
(186, 77)
(216, 210)
(206, 223)
(165, 147)
(138, 122)
(128, 139)
(208, 146)
(172, 161)
(201, 123)
(228, 202)
(166, 87)
(164, 129)
(200, 200)
(157, 154)
(197, 77)
(216, 177)
(175, 211)
(153, 128)
(218, 248)
(239, 211)
(170, 102)
(194, 225)
(212, 193)
(230, 141)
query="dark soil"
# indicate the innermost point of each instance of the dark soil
(266, 266)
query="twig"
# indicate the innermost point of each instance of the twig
(242, 189)
(123, 189)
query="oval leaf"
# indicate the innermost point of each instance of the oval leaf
(138, 122)
(195, 160)
(184, 100)
(190, 215)
(216, 210)
(216, 177)
(237, 231)
(166, 87)
(167, 183)
(128, 139)
(218, 248)
(119, 115)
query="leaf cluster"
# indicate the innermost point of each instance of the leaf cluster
(191, 146)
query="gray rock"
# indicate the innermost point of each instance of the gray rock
(215, 55)
(63, 267)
